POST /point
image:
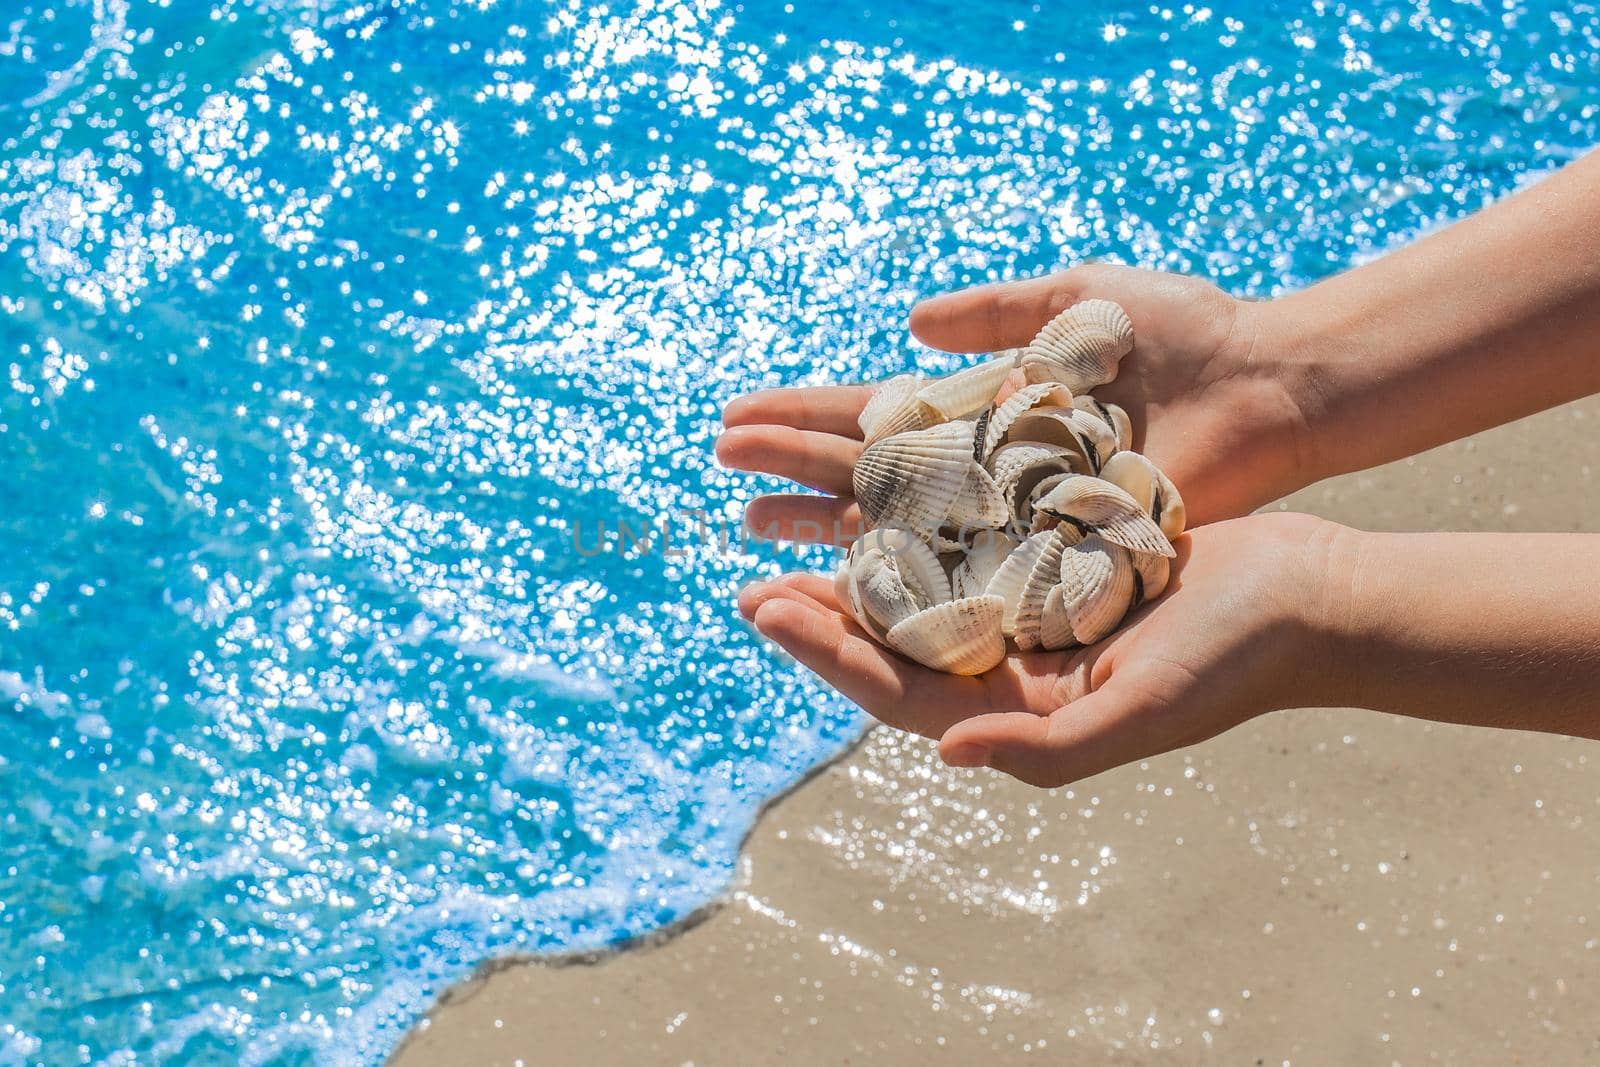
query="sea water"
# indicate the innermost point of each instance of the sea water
(339, 339)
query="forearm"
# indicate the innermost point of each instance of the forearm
(1483, 629)
(1491, 319)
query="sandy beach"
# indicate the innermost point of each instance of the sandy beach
(1315, 887)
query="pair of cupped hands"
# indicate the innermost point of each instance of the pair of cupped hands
(1208, 389)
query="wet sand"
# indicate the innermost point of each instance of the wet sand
(1314, 887)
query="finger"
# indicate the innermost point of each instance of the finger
(1093, 734)
(890, 689)
(818, 587)
(752, 596)
(1037, 682)
(819, 460)
(1001, 315)
(824, 409)
(819, 520)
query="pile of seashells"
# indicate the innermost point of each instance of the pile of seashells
(1026, 517)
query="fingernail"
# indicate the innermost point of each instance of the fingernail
(967, 756)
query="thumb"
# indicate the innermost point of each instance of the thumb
(1104, 729)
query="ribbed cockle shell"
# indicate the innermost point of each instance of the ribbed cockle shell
(998, 427)
(1151, 487)
(1111, 415)
(911, 480)
(910, 402)
(1095, 592)
(893, 409)
(958, 637)
(1151, 573)
(1043, 577)
(888, 576)
(1021, 465)
(1071, 427)
(1080, 347)
(979, 562)
(1095, 505)
(980, 502)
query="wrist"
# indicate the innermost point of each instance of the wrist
(1341, 618)
(1310, 350)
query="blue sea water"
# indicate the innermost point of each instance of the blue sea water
(327, 328)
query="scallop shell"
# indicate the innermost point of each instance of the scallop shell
(979, 563)
(1150, 486)
(1071, 427)
(1006, 412)
(911, 480)
(1021, 465)
(1095, 591)
(1106, 509)
(959, 637)
(1080, 347)
(893, 409)
(889, 576)
(980, 502)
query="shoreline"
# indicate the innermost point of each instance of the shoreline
(485, 970)
(1436, 877)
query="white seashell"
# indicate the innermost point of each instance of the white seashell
(1150, 486)
(980, 562)
(911, 480)
(1150, 573)
(893, 408)
(1045, 575)
(1094, 504)
(1012, 575)
(1006, 412)
(966, 391)
(1095, 591)
(888, 576)
(1112, 416)
(1070, 427)
(979, 503)
(1021, 465)
(959, 637)
(1080, 347)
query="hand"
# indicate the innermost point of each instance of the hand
(1238, 632)
(1212, 396)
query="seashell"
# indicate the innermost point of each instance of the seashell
(980, 434)
(1043, 576)
(1095, 591)
(980, 561)
(1021, 465)
(959, 636)
(888, 576)
(967, 391)
(1012, 575)
(1006, 412)
(1070, 427)
(911, 480)
(1150, 574)
(1112, 416)
(893, 408)
(1094, 504)
(1080, 347)
(979, 503)
(1150, 486)
(1030, 507)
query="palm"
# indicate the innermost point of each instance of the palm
(1207, 404)
(1209, 654)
